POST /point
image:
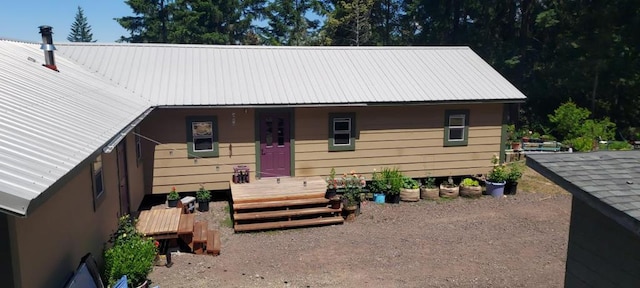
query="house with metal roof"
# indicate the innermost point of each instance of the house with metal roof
(604, 234)
(85, 138)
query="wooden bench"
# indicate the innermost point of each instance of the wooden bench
(213, 242)
(185, 229)
(200, 229)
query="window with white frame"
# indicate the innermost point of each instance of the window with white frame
(202, 136)
(342, 132)
(456, 128)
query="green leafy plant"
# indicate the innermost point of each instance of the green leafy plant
(392, 180)
(619, 145)
(132, 254)
(332, 183)
(409, 183)
(498, 173)
(353, 184)
(568, 119)
(514, 171)
(429, 183)
(203, 195)
(468, 182)
(173, 195)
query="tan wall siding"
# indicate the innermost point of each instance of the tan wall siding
(136, 174)
(53, 239)
(170, 162)
(408, 137)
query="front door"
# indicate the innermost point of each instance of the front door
(275, 153)
(122, 177)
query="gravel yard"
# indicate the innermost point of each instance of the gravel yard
(517, 241)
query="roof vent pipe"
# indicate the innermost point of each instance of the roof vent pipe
(47, 46)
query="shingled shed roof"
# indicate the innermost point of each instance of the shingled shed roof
(609, 181)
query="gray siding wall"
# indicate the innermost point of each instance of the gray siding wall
(601, 253)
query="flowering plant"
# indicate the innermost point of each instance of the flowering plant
(173, 195)
(332, 183)
(498, 173)
(353, 184)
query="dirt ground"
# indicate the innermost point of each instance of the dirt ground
(517, 241)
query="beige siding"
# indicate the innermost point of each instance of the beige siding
(135, 172)
(52, 240)
(408, 137)
(169, 159)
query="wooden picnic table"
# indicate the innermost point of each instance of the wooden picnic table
(159, 223)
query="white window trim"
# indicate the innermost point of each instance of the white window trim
(347, 131)
(457, 127)
(203, 137)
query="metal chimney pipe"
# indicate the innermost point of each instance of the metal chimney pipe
(47, 46)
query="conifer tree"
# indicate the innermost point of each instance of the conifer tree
(80, 29)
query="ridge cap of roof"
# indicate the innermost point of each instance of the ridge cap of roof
(261, 47)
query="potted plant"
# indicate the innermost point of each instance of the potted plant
(353, 184)
(514, 174)
(513, 137)
(449, 189)
(132, 254)
(429, 190)
(497, 178)
(203, 196)
(410, 190)
(392, 183)
(173, 197)
(378, 187)
(470, 188)
(332, 185)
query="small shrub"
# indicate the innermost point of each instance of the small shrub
(514, 172)
(468, 182)
(619, 145)
(429, 183)
(409, 183)
(132, 254)
(203, 195)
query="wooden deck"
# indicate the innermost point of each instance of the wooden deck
(268, 189)
(290, 202)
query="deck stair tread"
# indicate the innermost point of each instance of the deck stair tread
(289, 223)
(200, 232)
(213, 242)
(284, 213)
(185, 226)
(281, 203)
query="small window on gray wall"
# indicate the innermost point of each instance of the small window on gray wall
(97, 181)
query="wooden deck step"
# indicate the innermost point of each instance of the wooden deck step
(284, 213)
(289, 224)
(213, 242)
(275, 204)
(200, 229)
(185, 226)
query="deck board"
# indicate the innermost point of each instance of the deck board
(268, 189)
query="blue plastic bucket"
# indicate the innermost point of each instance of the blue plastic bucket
(495, 189)
(379, 198)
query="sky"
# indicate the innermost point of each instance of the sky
(19, 19)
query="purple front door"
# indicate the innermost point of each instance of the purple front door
(275, 151)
